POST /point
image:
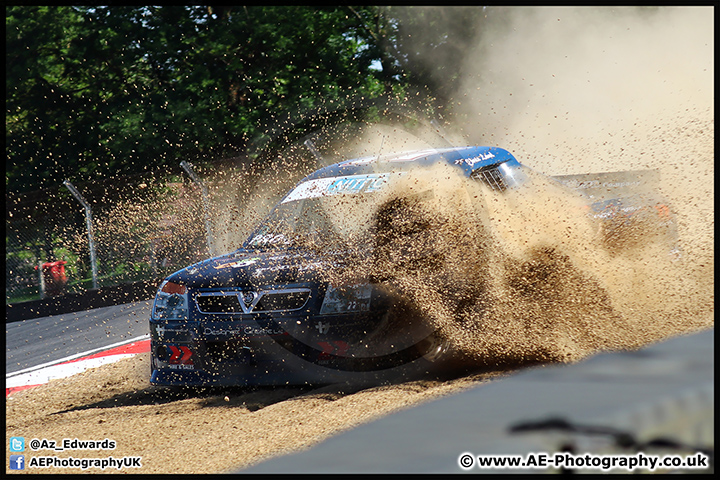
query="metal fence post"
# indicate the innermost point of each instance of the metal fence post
(311, 146)
(187, 166)
(42, 280)
(441, 132)
(88, 220)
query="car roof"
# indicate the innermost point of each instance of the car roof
(469, 159)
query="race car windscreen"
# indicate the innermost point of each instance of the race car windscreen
(321, 212)
(331, 210)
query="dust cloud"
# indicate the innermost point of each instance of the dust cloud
(567, 91)
(576, 90)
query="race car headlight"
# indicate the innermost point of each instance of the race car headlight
(348, 298)
(171, 302)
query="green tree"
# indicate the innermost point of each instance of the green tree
(426, 48)
(101, 91)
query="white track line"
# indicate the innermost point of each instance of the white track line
(77, 355)
(65, 370)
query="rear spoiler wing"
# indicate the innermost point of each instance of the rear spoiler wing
(603, 186)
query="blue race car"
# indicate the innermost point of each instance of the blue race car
(273, 313)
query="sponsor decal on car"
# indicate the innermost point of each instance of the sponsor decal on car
(180, 357)
(348, 298)
(347, 185)
(336, 348)
(244, 331)
(240, 263)
(472, 161)
(323, 328)
(161, 331)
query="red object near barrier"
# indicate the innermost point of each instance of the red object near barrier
(54, 277)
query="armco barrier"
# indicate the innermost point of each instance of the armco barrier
(75, 302)
(662, 394)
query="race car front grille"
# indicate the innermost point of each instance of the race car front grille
(492, 177)
(219, 304)
(252, 301)
(272, 302)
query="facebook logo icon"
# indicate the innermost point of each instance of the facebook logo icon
(17, 462)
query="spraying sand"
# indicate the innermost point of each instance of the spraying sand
(566, 90)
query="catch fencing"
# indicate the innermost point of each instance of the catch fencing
(143, 229)
(143, 226)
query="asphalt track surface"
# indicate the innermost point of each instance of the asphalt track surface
(38, 341)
